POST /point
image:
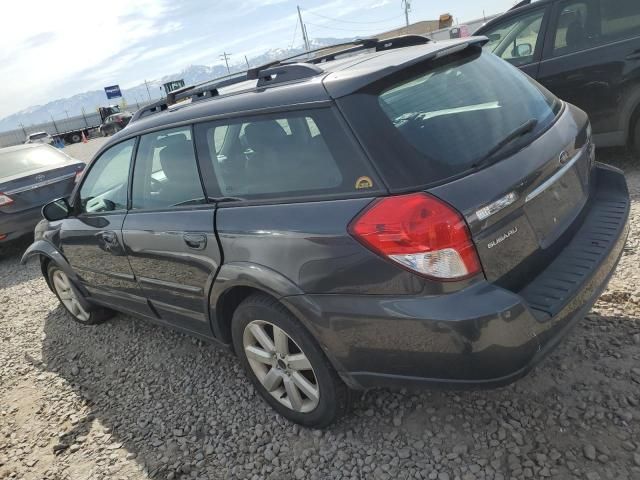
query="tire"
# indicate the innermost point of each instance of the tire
(60, 284)
(321, 396)
(75, 138)
(635, 139)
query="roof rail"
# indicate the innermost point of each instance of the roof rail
(279, 71)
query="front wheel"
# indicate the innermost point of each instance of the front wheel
(61, 286)
(286, 365)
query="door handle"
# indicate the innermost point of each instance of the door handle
(197, 241)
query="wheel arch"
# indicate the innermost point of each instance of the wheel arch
(237, 281)
(47, 253)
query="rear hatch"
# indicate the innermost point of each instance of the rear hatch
(33, 176)
(478, 134)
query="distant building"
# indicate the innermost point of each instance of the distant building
(424, 27)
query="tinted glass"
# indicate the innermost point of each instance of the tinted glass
(287, 155)
(105, 186)
(166, 173)
(573, 32)
(620, 19)
(517, 38)
(25, 160)
(454, 114)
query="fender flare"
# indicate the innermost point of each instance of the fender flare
(246, 274)
(42, 248)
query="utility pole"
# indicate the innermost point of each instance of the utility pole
(148, 92)
(304, 31)
(406, 4)
(23, 130)
(225, 56)
(84, 115)
(247, 60)
(54, 123)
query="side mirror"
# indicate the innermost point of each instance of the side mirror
(494, 37)
(523, 50)
(57, 210)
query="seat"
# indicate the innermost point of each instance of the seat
(576, 35)
(179, 166)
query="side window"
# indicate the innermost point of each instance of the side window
(296, 154)
(165, 173)
(517, 38)
(620, 19)
(573, 32)
(105, 187)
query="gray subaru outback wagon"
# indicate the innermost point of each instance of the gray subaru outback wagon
(384, 213)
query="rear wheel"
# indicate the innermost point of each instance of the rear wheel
(75, 138)
(61, 286)
(636, 139)
(285, 363)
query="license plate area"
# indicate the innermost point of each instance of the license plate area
(556, 206)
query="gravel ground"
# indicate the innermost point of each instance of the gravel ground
(85, 151)
(128, 400)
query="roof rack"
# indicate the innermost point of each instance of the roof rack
(279, 71)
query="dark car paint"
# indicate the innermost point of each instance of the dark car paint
(30, 192)
(482, 335)
(604, 81)
(377, 323)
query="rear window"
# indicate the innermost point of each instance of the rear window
(286, 155)
(440, 120)
(25, 160)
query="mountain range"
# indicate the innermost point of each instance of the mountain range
(90, 100)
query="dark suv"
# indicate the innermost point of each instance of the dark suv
(396, 212)
(586, 52)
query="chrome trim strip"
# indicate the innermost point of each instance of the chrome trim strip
(171, 285)
(555, 177)
(41, 184)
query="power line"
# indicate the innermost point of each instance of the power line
(354, 21)
(293, 40)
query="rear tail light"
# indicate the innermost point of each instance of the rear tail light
(421, 233)
(78, 176)
(5, 200)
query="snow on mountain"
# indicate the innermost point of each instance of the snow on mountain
(192, 74)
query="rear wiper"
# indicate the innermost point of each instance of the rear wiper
(523, 129)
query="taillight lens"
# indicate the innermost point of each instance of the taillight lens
(78, 176)
(5, 200)
(421, 233)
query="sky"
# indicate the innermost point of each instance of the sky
(56, 49)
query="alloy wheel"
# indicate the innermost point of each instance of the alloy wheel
(281, 366)
(68, 296)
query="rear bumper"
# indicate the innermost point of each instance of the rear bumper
(483, 335)
(15, 225)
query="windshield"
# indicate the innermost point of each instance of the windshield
(457, 113)
(25, 160)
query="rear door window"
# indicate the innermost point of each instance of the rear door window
(575, 27)
(294, 154)
(166, 172)
(620, 19)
